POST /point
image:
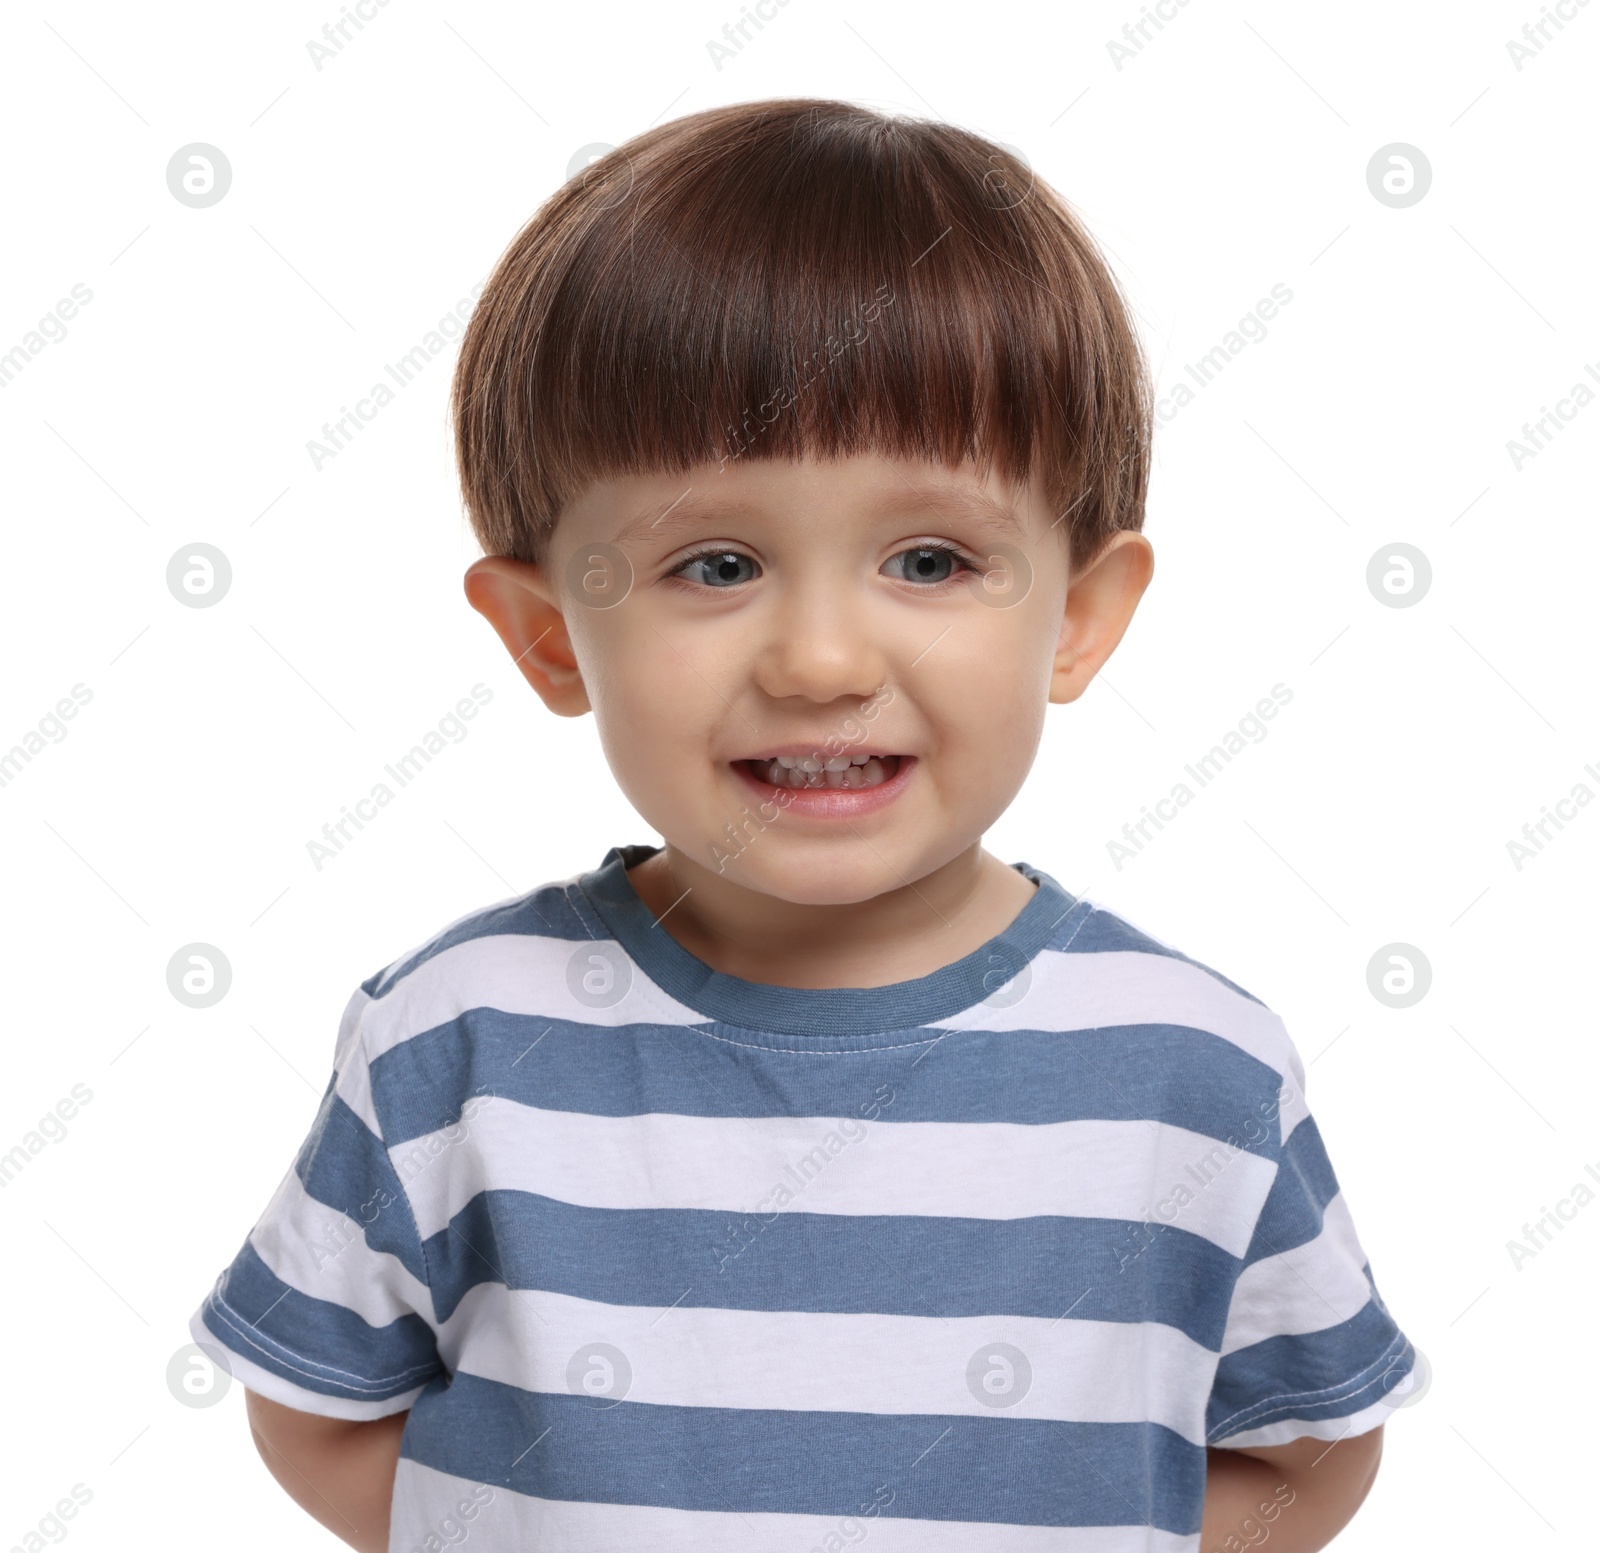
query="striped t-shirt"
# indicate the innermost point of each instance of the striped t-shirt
(660, 1258)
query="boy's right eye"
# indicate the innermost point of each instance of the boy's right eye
(719, 568)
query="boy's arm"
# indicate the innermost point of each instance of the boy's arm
(1301, 1495)
(339, 1471)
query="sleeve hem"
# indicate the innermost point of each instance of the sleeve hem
(276, 1388)
(1287, 1416)
(1287, 1429)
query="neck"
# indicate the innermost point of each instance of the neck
(905, 932)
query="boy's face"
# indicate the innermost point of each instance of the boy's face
(809, 609)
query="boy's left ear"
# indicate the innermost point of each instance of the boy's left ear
(1101, 600)
(515, 599)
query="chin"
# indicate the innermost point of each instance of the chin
(811, 877)
(800, 880)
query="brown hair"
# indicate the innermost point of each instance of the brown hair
(794, 276)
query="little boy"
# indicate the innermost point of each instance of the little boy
(812, 1177)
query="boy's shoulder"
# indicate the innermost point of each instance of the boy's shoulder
(1101, 967)
(549, 954)
(1099, 930)
(553, 910)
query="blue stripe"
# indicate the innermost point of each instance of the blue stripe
(314, 1343)
(1167, 1073)
(1310, 1375)
(344, 1165)
(1302, 1189)
(1013, 1471)
(546, 912)
(1097, 1269)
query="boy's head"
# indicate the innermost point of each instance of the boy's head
(785, 427)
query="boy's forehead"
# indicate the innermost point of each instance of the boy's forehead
(859, 487)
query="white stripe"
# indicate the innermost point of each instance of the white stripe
(696, 1356)
(353, 1081)
(429, 1503)
(517, 974)
(527, 975)
(1314, 1286)
(1068, 991)
(349, 1028)
(477, 914)
(272, 1386)
(323, 1253)
(1120, 1170)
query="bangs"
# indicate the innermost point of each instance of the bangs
(800, 277)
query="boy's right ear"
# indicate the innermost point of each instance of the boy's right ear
(515, 599)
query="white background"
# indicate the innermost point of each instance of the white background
(367, 197)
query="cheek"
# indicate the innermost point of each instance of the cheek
(994, 690)
(636, 700)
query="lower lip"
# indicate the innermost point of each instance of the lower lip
(829, 803)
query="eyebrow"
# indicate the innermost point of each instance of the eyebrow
(993, 514)
(688, 511)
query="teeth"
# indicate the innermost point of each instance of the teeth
(838, 771)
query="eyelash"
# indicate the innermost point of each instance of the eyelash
(937, 547)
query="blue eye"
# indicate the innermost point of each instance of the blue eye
(714, 568)
(931, 563)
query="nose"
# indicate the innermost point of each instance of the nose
(821, 642)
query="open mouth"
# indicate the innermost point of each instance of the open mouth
(815, 771)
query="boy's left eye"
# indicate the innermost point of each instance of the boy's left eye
(932, 563)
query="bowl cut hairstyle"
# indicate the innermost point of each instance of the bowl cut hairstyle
(800, 276)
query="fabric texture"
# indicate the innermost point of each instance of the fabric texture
(661, 1258)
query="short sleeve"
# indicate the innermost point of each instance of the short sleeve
(1309, 1347)
(326, 1307)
